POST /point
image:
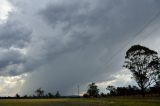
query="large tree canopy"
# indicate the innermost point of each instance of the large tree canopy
(144, 65)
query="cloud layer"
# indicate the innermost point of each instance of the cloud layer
(60, 44)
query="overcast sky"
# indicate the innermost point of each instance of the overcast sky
(60, 44)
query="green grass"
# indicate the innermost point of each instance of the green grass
(110, 101)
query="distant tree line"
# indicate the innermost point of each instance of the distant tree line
(39, 93)
(93, 91)
(132, 91)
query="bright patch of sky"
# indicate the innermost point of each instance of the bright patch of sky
(5, 9)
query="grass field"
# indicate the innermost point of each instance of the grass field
(111, 101)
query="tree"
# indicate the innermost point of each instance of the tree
(102, 94)
(39, 92)
(50, 95)
(121, 91)
(93, 90)
(144, 65)
(57, 94)
(17, 95)
(25, 96)
(157, 87)
(112, 90)
(86, 95)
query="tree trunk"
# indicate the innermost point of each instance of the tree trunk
(143, 92)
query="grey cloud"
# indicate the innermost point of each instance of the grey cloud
(10, 62)
(84, 23)
(13, 34)
(73, 57)
(105, 15)
(14, 38)
(106, 21)
(72, 41)
(10, 57)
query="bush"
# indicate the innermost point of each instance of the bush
(86, 95)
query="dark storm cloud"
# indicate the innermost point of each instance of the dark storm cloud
(106, 21)
(14, 38)
(72, 41)
(105, 16)
(93, 24)
(85, 35)
(13, 34)
(10, 57)
(10, 62)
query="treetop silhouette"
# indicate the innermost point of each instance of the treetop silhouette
(144, 65)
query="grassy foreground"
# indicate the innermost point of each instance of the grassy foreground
(111, 101)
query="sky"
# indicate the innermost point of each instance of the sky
(60, 44)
